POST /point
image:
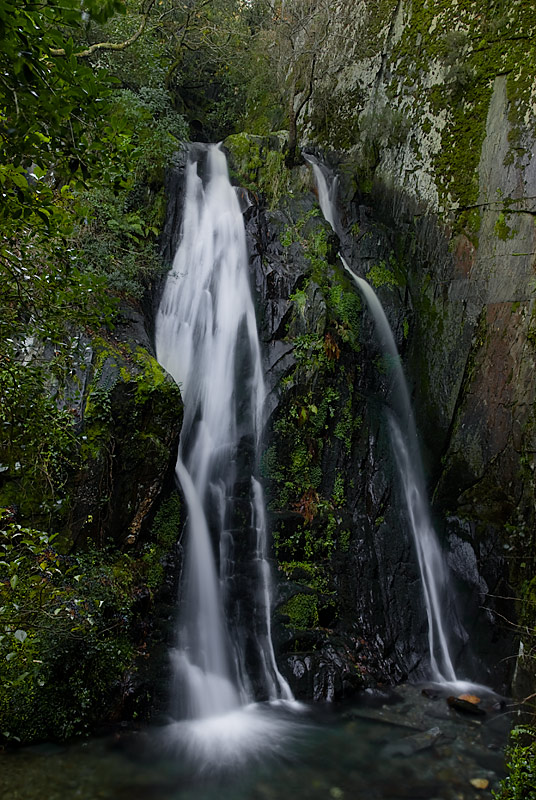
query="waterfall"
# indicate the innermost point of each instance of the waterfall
(434, 576)
(327, 187)
(403, 433)
(206, 338)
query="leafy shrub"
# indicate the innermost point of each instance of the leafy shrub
(64, 645)
(123, 212)
(520, 783)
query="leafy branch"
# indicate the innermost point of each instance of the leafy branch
(117, 46)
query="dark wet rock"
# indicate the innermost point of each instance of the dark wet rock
(430, 693)
(412, 744)
(129, 423)
(364, 618)
(466, 707)
(322, 675)
(370, 566)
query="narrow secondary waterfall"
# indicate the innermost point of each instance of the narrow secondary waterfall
(434, 576)
(327, 191)
(206, 338)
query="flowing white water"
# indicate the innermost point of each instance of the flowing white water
(327, 192)
(434, 576)
(206, 337)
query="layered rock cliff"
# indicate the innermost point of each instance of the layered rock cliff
(431, 108)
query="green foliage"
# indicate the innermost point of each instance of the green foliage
(121, 214)
(344, 540)
(347, 424)
(301, 230)
(302, 611)
(338, 489)
(345, 305)
(520, 783)
(342, 301)
(165, 532)
(303, 430)
(146, 130)
(259, 165)
(81, 169)
(117, 242)
(382, 275)
(51, 607)
(310, 351)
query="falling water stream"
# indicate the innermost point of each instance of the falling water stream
(434, 578)
(433, 571)
(327, 187)
(206, 338)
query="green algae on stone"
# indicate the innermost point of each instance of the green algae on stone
(302, 611)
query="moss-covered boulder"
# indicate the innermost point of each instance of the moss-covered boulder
(130, 417)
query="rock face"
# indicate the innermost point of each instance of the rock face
(426, 113)
(350, 608)
(129, 413)
(431, 109)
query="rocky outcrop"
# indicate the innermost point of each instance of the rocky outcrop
(432, 107)
(129, 414)
(350, 608)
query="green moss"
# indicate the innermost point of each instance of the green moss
(338, 490)
(426, 126)
(347, 423)
(466, 45)
(382, 275)
(502, 229)
(259, 164)
(456, 164)
(344, 540)
(165, 533)
(308, 574)
(302, 611)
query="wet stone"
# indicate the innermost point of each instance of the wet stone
(465, 706)
(412, 744)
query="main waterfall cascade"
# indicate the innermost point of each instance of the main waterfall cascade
(206, 338)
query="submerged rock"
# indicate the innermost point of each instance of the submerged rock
(412, 744)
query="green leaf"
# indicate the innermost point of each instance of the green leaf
(19, 179)
(21, 635)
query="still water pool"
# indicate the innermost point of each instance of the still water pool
(401, 745)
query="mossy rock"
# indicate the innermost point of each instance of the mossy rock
(129, 432)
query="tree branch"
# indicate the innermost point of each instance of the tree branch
(110, 45)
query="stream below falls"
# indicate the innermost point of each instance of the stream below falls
(397, 744)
